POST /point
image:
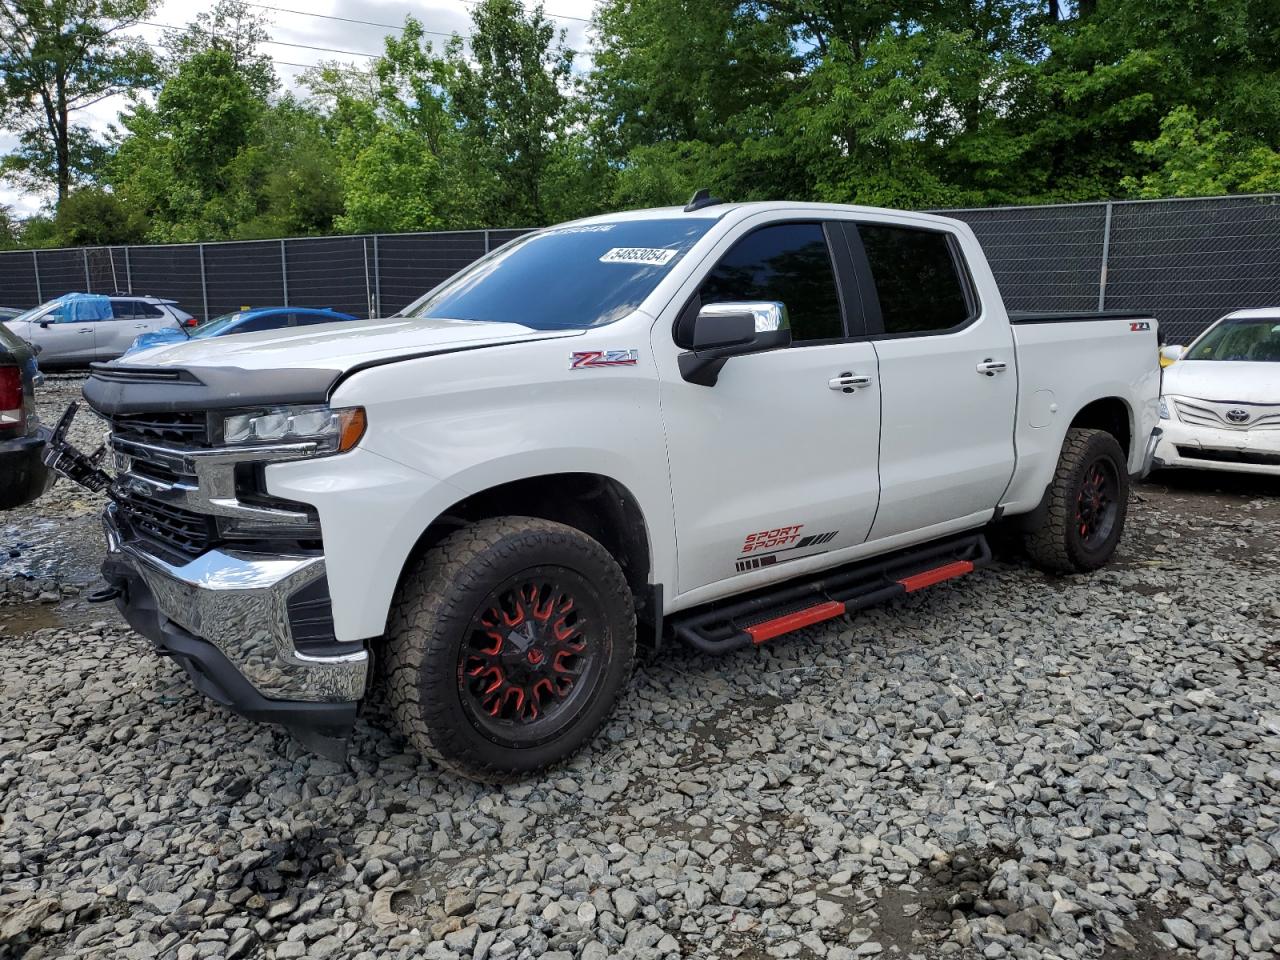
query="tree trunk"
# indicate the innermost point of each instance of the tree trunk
(62, 147)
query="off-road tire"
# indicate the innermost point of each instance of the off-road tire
(1056, 545)
(437, 599)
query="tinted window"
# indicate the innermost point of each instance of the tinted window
(916, 279)
(143, 309)
(788, 263)
(270, 321)
(123, 310)
(306, 319)
(567, 277)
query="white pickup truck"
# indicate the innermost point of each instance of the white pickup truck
(719, 424)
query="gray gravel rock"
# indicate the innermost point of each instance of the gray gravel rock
(1007, 766)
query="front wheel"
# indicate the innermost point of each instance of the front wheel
(1088, 501)
(509, 645)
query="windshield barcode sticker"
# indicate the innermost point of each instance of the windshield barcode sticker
(649, 256)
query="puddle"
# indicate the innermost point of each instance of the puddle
(27, 618)
(43, 550)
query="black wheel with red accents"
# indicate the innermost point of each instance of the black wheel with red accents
(533, 656)
(1087, 502)
(1097, 501)
(509, 644)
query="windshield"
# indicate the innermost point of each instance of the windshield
(217, 325)
(568, 277)
(1254, 339)
(35, 312)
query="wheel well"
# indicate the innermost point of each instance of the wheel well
(597, 505)
(1110, 414)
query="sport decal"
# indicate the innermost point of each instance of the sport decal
(1138, 326)
(647, 256)
(765, 548)
(582, 359)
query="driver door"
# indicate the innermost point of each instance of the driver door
(64, 338)
(774, 465)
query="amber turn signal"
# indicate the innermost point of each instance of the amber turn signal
(351, 427)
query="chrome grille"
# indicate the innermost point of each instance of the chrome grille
(1210, 413)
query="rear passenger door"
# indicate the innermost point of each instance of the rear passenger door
(115, 335)
(948, 382)
(151, 316)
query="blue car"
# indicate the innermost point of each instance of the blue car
(242, 321)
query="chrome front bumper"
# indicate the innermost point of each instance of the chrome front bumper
(237, 601)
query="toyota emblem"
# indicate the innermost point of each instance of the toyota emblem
(1238, 416)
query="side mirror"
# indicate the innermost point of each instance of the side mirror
(724, 330)
(44, 324)
(1171, 354)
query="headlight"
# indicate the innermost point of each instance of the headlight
(1164, 409)
(335, 431)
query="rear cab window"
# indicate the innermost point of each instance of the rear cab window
(917, 283)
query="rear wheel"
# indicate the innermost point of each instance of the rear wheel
(510, 643)
(1088, 501)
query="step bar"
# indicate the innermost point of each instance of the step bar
(774, 611)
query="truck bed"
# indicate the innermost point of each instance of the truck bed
(1065, 362)
(1037, 316)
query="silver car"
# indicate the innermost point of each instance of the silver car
(79, 328)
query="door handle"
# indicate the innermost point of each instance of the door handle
(139, 326)
(992, 367)
(85, 330)
(848, 382)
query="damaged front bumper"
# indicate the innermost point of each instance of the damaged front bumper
(228, 618)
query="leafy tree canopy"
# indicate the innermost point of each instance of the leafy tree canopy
(915, 103)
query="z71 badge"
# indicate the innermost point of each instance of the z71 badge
(1138, 326)
(582, 359)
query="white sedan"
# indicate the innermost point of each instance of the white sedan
(1220, 402)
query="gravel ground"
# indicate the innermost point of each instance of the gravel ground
(1010, 765)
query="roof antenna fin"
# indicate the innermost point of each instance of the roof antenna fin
(701, 198)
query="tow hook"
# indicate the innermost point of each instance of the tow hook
(61, 457)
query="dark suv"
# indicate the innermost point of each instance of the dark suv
(23, 475)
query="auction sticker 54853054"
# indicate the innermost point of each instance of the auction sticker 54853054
(648, 256)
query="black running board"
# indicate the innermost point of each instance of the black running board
(773, 611)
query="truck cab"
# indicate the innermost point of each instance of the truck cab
(713, 423)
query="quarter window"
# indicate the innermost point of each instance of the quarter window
(788, 263)
(918, 284)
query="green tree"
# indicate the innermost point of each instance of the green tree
(391, 129)
(10, 229)
(509, 102)
(176, 159)
(683, 71)
(92, 216)
(1116, 69)
(1198, 158)
(286, 181)
(233, 26)
(58, 57)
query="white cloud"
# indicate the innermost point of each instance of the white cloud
(297, 23)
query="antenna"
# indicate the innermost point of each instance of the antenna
(701, 198)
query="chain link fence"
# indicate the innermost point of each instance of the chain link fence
(1185, 261)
